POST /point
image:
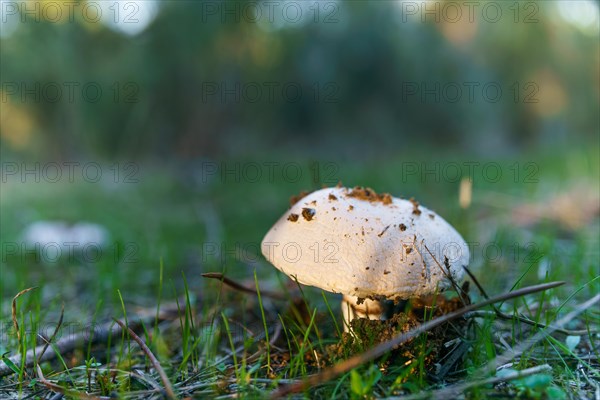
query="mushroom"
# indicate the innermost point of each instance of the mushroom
(369, 247)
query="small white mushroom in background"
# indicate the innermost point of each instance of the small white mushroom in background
(369, 247)
(50, 237)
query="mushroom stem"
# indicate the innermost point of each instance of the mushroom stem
(372, 309)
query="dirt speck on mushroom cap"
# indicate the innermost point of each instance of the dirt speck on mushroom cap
(308, 213)
(369, 194)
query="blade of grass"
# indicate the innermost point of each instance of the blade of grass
(264, 320)
(10, 364)
(92, 331)
(189, 321)
(337, 328)
(575, 292)
(122, 348)
(158, 298)
(233, 350)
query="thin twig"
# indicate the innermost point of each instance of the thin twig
(240, 287)
(161, 372)
(399, 339)
(48, 341)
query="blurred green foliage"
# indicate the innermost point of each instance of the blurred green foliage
(375, 77)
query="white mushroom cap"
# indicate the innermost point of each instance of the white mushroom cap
(359, 243)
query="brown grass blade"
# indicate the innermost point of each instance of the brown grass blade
(14, 310)
(161, 372)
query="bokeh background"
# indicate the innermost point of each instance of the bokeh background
(189, 124)
(356, 65)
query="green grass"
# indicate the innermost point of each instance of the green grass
(223, 341)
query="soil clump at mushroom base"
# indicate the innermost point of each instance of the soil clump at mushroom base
(366, 333)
